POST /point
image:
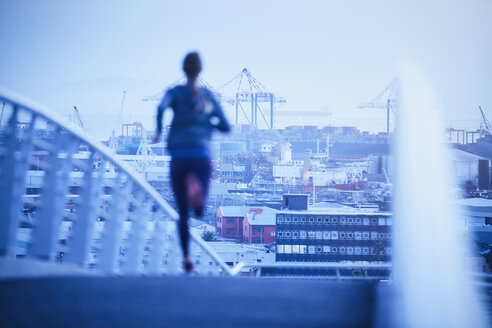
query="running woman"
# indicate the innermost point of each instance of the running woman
(196, 114)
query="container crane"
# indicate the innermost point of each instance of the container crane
(384, 100)
(244, 88)
(113, 140)
(78, 119)
(486, 124)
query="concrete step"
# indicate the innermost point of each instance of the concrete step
(185, 302)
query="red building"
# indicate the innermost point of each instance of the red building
(259, 226)
(229, 221)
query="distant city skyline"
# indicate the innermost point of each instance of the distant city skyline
(318, 55)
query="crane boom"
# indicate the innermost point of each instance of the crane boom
(384, 100)
(113, 140)
(485, 122)
(79, 119)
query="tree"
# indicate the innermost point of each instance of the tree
(359, 272)
(209, 236)
(378, 250)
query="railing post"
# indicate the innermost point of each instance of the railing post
(83, 228)
(13, 167)
(136, 239)
(46, 230)
(196, 256)
(154, 264)
(113, 228)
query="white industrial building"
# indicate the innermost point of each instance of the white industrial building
(464, 166)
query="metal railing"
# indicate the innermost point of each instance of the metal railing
(325, 270)
(66, 198)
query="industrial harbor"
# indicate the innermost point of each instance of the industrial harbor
(344, 177)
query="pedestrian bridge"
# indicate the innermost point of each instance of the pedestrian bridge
(85, 241)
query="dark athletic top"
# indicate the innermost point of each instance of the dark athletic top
(195, 116)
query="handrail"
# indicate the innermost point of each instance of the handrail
(317, 265)
(309, 265)
(10, 224)
(45, 113)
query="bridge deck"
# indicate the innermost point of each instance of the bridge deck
(185, 302)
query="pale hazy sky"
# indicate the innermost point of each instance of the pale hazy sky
(317, 54)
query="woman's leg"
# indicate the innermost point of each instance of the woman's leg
(179, 171)
(202, 169)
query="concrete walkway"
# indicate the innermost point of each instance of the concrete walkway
(185, 302)
(11, 268)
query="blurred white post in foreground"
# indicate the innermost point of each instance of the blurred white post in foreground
(430, 267)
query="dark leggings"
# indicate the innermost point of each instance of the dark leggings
(180, 169)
